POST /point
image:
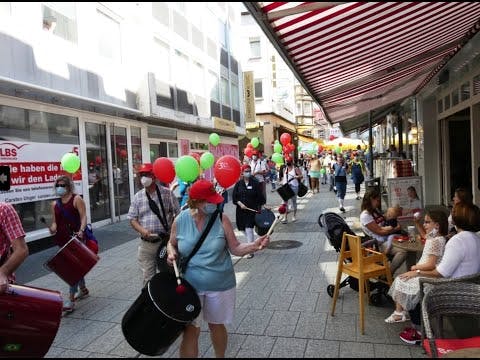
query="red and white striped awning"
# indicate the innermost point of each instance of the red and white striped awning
(354, 57)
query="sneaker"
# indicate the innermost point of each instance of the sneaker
(342, 209)
(411, 336)
(82, 294)
(68, 306)
(294, 219)
(249, 256)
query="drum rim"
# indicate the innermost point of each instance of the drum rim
(163, 312)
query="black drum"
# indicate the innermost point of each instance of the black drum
(285, 192)
(159, 315)
(263, 221)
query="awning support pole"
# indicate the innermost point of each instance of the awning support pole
(370, 144)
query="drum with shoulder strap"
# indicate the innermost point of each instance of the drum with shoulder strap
(263, 221)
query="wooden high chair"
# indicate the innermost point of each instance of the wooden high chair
(363, 264)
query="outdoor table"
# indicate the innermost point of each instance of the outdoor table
(412, 249)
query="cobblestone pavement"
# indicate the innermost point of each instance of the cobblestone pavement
(282, 306)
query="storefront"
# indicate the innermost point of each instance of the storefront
(33, 138)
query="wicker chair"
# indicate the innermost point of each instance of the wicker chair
(453, 299)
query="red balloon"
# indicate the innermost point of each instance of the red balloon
(291, 146)
(331, 137)
(164, 170)
(196, 156)
(123, 153)
(227, 170)
(288, 158)
(248, 151)
(98, 159)
(286, 149)
(285, 138)
(250, 146)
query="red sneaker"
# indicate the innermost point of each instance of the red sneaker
(411, 336)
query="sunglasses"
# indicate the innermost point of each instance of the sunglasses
(60, 185)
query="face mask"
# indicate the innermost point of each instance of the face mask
(146, 181)
(247, 174)
(254, 157)
(210, 208)
(433, 233)
(61, 191)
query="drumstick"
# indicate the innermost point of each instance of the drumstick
(255, 211)
(181, 289)
(270, 230)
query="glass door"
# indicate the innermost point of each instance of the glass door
(98, 180)
(120, 169)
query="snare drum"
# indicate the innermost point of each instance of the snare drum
(73, 261)
(29, 321)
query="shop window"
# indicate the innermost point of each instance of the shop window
(157, 132)
(163, 149)
(198, 146)
(455, 97)
(59, 18)
(440, 106)
(136, 140)
(446, 102)
(465, 91)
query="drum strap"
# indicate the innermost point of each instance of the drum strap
(154, 207)
(201, 239)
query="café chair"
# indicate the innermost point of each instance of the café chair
(363, 264)
(458, 300)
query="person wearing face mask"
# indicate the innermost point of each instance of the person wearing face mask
(210, 271)
(259, 170)
(247, 193)
(291, 174)
(153, 229)
(405, 290)
(69, 217)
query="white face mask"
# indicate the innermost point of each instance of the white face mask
(146, 181)
(247, 174)
(433, 232)
(254, 157)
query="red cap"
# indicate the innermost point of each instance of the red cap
(245, 167)
(204, 190)
(146, 168)
(91, 163)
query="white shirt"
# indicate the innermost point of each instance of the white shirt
(256, 166)
(290, 175)
(365, 219)
(461, 256)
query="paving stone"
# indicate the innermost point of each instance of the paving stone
(356, 350)
(255, 322)
(256, 347)
(106, 342)
(289, 348)
(311, 325)
(282, 323)
(391, 351)
(304, 301)
(280, 300)
(322, 349)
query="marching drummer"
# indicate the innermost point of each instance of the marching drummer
(248, 196)
(13, 249)
(69, 218)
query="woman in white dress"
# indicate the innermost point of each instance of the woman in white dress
(405, 290)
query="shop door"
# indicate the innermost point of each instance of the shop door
(98, 178)
(458, 155)
(120, 169)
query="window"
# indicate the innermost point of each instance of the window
(299, 108)
(108, 35)
(455, 98)
(465, 91)
(198, 146)
(235, 97)
(136, 140)
(60, 19)
(255, 48)
(213, 86)
(446, 102)
(198, 86)
(161, 60)
(476, 85)
(440, 106)
(225, 93)
(163, 149)
(29, 125)
(222, 33)
(258, 89)
(180, 70)
(307, 106)
(157, 132)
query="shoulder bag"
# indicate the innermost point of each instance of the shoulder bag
(302, 188)
(162, 255)
(163, 237)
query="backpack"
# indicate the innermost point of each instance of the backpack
(357, 172)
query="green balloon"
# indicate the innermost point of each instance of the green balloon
(322, 171)
(338, 149)
(70, 162)
(187, 168)
(206, 160)
(277, 148)
(277, 141)
(214, 139)
(255, 142)
(277, 158)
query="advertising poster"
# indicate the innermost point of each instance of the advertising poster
(398, 194)
(34, 167)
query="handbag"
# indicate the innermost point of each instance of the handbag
(302, 189)
(161, 258)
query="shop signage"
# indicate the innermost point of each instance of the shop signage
(34, 167)
(398, 194)
(223, 124)
(249, 96)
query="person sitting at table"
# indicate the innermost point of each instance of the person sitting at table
(461, 257)
(373, 225)
(405, 290)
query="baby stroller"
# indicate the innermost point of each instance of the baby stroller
(333, 225)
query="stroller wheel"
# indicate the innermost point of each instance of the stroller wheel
(330, 290)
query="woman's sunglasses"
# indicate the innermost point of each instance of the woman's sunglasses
(60, 185)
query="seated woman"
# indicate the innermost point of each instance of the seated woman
(373, 225)
(461, 257)
(405, 290)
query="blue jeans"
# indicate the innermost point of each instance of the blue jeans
(74, 288)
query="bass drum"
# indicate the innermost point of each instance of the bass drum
(73, 261)
(263, 221)
(29, 321)
(159, 315)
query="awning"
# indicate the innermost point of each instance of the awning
(354, 57)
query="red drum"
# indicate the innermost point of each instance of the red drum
(29, 321)
(73, 261)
